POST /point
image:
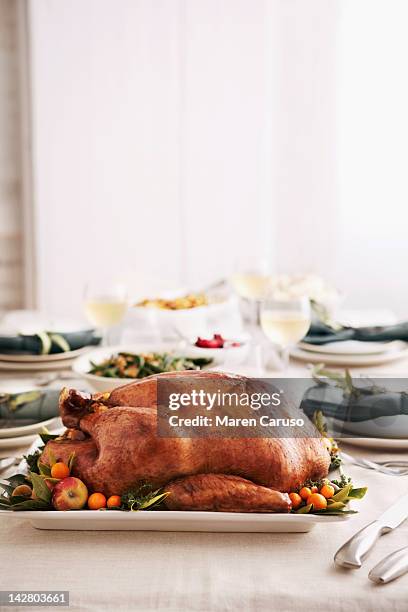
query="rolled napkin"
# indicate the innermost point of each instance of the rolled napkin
(322, 333)
(18, 409)
(45, 343)
(333, 402)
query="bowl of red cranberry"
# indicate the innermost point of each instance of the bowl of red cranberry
(220, 348)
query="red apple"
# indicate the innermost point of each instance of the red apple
(69, 494)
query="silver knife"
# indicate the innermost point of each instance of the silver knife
(353, 552)
(391, 567)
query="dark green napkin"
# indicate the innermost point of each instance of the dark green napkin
(18, 409)
(321, 333)
(48, 343)
(354, 407)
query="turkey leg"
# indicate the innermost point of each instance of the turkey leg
(223, 493)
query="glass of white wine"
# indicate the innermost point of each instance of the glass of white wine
(285, 322)
(251, 278)
(105, 305)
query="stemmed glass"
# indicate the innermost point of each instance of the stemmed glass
(250, 280)
(105, 305)
(285, 322)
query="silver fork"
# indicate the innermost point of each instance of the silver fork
(390, 467)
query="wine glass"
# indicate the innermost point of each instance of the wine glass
(285, 322)
(250, 280)
(105, 305)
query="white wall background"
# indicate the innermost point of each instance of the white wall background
(372, 146)
(172, 135)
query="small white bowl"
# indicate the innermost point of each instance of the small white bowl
(228, 356)
(82, 365)
(187, 322)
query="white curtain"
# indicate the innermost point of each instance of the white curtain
(170, 136)
(372, 135)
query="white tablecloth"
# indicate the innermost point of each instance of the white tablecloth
(206, 572)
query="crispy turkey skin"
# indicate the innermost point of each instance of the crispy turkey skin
(121, 450)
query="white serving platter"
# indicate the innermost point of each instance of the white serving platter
(167, 520)
(101, 520)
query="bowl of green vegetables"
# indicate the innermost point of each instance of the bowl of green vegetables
(110, 367)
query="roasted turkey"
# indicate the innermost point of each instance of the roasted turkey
(117, 447)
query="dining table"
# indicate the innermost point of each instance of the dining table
(202, 571)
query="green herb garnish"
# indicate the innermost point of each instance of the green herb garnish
(143, 498)
(322, 375)
(32, 460)
(40, 501)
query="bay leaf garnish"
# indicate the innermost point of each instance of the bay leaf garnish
(41, 491)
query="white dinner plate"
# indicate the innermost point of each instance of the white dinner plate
(353, 347)
(169, 520)
(350, 360)
(22, 386)
(40, 366)
(377, 443)
(26, 430)
(24, 358)
(389, 427)
(31, 443)
(17, 441)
